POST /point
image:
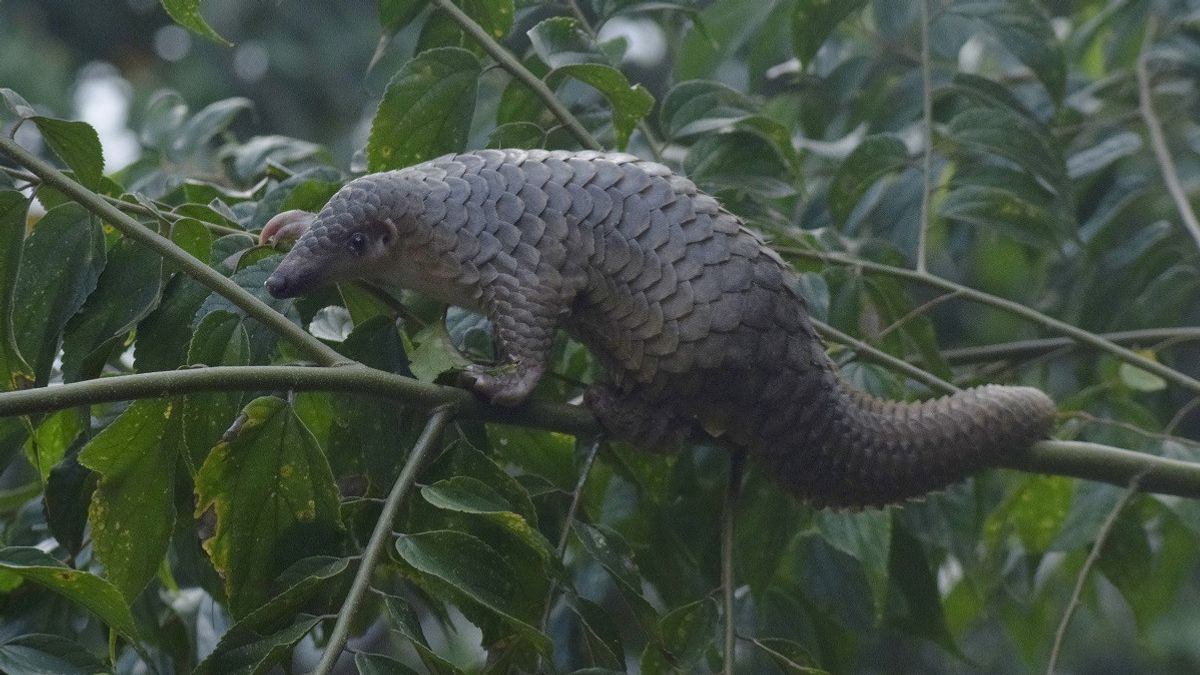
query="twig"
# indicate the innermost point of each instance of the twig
(514, 67)
(1093, 556)
(560, 550)
(916, 311)
(1158, 140)
(929, 379)
(1181, 415)
(927, 136)
(380, 535)
(1078, 334)
(733, 489)
(1023, 349)
(308, 345)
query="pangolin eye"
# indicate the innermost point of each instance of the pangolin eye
(358, 243)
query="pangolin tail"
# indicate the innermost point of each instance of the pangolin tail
(878, 452)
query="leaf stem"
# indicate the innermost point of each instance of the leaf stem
(733, 489)
(589, 458)
(1093, 556)
(243, 299)
(379, 536)
(514, 67)
(1078, 334)
(1158, 140)
(926, 137)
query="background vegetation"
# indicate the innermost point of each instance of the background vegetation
(973, 192)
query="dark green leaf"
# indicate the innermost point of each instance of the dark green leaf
(274, 497)
(87, 590)
(220, 340)
(866, 537)
(15, 373)
(472, 568)
(77, 144)
(814, 20)
(1025, 30)
(1103, 154)
(913, 577)
(42, 653)
(187, 14)
(789, 657)
(66, 500)
(602, 640)
(608, 549)
(561, 41)
(465, 494)
(133, 508)
(378, 664)
(701, 107)
(164, 335)
(686, 632)
(255, 654)
(1017, 139)
(629, 103)
(516, 135)
(408, 623)
(396, 14)
(128, 290)
(204, 126)
(62, 262)
(426, 110)
(874, 158)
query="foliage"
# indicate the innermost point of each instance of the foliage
(218, 531)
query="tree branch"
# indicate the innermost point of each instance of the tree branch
(1090, 461)
(243, 299)
(379, 536)
(1077, 334)
(510, 63)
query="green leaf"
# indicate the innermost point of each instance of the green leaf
(686, 632)
(15, 373)
(60, 266)
(470, 495)
(133, 509)
(408, 623)
(67, 497)
(788, 656)
(702, 107)
(472, 568)
(466, 495)
(1102, 155)
(203, 127)
(516, 135)
(547, 454)
(164, 335)
(378, 664)
(866, 537)
(220, 340)
(602, 639)
(274, 497)
(1017, 139)
(53, 436)
(186, 13)
(43, 653)
(426, 110)
(128, 290)
(561, 41)
(396, 14)
(875, 157)
(1002, 210)
(256, 654)
(1024, 29)
(77, 144)
(1141, 380)
(912, 575)
(814, 20)
(86, 590)
(610, 550)
(629, 103)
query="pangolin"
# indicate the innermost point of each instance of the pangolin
(695, 320)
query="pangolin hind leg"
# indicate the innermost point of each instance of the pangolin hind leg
(637, 417)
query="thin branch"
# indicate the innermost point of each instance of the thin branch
(1158, 140)
(914, 313)
(243, 299)
(514, 67)
(879, 356)
(927, 137)
(560, 550)
(1078, 334)
(1025, 349)
(379, 537)
(733, 489)
(1093, 556)
(1181, 415)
